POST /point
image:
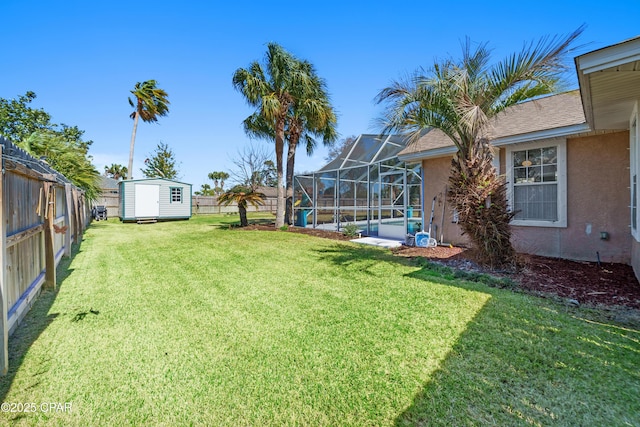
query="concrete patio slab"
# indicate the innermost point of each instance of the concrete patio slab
(377, 241)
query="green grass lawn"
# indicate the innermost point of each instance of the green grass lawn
(190, 323)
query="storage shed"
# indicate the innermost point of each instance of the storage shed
(154, 199)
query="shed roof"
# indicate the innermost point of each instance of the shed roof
(153, 179)
(528, 120)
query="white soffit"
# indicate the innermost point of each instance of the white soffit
(610, 83)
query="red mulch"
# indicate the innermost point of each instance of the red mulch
(606, 284)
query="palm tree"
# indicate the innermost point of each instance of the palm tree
(272, 90)
(309, 116)
(150, 103)
(242, 196)
(205, 190)
(218, 178)
(459, 98)
(116, 171)
(312, 116)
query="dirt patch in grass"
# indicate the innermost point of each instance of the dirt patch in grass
(604, 284)
(309, 231)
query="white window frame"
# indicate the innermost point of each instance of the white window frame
(561, 144)
(634, 168)
(181, 194)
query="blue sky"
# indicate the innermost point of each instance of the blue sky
(82, 58)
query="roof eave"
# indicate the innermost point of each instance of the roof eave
(498, 142)
(599, 60)
(609, 56)
(543, 134)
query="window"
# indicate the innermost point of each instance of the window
(537, 182)
(176, 194)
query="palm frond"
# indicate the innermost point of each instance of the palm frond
(150, 103)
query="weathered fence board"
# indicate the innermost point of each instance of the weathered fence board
(41, 214)
(111, 201)
(204, 205)
(4, 311)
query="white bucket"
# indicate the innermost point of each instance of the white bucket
(423, 240)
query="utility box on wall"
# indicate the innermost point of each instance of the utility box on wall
(154, 199)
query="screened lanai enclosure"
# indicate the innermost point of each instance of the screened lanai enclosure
(365, 185)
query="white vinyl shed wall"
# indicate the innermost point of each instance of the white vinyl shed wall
(154, 198)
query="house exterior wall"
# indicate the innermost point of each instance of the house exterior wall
(167, 208)
(596, 166)
(597, 201)
(435, 180)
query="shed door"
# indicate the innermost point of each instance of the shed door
(147, 204)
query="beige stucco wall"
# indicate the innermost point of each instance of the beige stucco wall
(436, 176)
(597, 200)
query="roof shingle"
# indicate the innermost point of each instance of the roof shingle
(551, 112)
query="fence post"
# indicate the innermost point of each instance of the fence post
(67, 219)
(49, 247)
(4, 321)
(76, 220)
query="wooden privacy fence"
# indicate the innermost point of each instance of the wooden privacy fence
(204, 205)
(42, 213)
(111, 201)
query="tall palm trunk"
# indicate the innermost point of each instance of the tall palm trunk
(279, 168)
(294, 137)
(480, 197)
(242, 211)
(291, 158)
(133, 142)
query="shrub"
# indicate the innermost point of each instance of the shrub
(350, 230)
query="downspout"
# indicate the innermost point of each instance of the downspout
(405, 199)
(336, 192)
(314, 202)
(369, 200)
(422, 183)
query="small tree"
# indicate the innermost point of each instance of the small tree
(18, 120)
(161, 163)
(267, 174)
(242, 196)
(254, 167)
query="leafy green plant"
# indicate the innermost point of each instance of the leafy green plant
(284, 227)
(350, 230)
